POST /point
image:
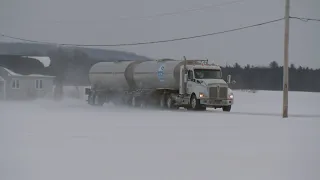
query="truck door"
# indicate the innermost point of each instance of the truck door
(190, 82)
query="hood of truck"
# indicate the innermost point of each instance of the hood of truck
(213, 82)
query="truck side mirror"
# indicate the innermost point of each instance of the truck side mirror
(229, 79)
(185, 78)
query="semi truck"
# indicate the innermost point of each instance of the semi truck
(164, 83)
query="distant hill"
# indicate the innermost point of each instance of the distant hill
(33, 49)
(70, 65)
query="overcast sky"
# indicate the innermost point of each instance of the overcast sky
(121, 21)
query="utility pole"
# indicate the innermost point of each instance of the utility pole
(286, 63)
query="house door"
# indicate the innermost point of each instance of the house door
(2, 90)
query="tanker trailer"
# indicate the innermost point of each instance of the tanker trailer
(166, 83)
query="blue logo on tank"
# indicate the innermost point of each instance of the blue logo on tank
(161, 73)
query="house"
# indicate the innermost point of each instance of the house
(15, 86)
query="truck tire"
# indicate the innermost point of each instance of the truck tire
(226, 108)
(195, 103)
(170, 103)
(116, 100)
(143, 105)
(101, 99)
(92, 99)
(163, 101)
(135, 102)
(97, 99)
(89, 99)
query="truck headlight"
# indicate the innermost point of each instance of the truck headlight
(230, 96)
(201, 95)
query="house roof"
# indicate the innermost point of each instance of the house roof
(43, 59)
(11, 73)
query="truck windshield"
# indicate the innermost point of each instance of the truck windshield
(207, 74)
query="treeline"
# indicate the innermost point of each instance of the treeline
(271, 77)
(71, 68)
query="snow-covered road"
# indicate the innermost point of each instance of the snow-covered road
(70, 140)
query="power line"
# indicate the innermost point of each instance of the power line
(147, 42)
(26, 40)
(188, 10)
(305, 19)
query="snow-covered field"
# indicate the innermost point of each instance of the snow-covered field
(70, 140)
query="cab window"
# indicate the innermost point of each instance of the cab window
(190, 75)
(207, 74)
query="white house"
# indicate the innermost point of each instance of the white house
(15, 86)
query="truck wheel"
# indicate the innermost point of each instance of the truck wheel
(162, 101)
(92, 99)
(226, 108)
(170, 103)
(195, 103)
(134, 102)
(143, 104)
(97, 101)
(100, 99)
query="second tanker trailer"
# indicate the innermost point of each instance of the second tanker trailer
(165, 83)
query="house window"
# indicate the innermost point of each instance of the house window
(39, 84)
(15, 84)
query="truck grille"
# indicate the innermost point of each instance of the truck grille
(221, 94)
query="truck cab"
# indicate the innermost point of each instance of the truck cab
(206, 88)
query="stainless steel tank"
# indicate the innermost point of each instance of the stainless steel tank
(109, 75)
(157, 74)
(127, 75)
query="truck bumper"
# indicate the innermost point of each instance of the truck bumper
(216, 103)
